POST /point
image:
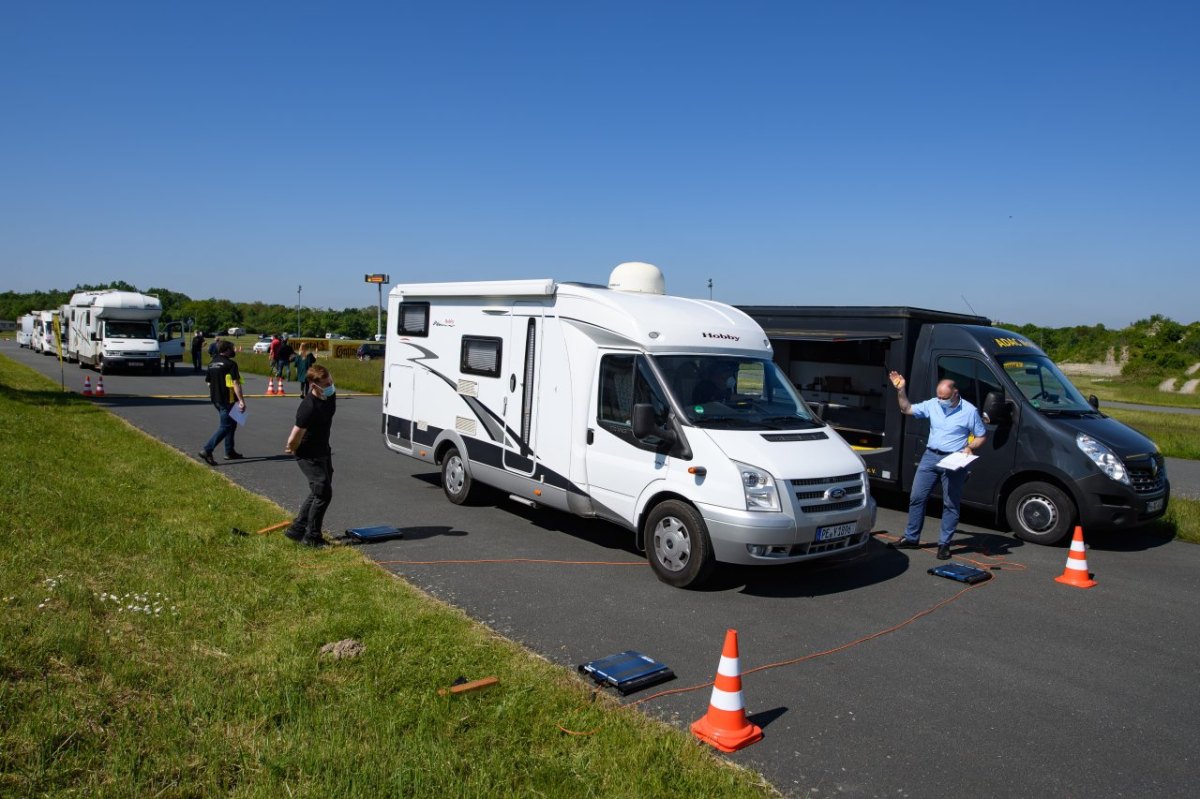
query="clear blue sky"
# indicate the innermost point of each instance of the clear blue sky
(1040, 159)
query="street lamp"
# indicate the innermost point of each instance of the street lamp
(298, 288)
(379, 281)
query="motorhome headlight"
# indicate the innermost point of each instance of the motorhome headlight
(1103, 457)
(759, 487)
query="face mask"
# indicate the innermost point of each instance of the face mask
(328, 391)
(946, 404)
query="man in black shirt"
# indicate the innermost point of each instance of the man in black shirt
(309, 442)
(225, 388)
(197, 351)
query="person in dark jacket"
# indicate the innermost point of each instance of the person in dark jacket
(225, 390)
(309, 442)
(197, 351)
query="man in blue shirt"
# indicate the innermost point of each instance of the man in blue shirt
(954, 426)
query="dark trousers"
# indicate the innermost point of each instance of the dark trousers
(196, 362)
(927, 474)
(310, 518)
(225, 430)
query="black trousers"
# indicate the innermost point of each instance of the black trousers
(319, 473)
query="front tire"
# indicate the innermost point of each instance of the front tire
(1040, 513)
(677, 544)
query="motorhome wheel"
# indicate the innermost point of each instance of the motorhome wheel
(677, 544)
(1040, 513)
(457, 483)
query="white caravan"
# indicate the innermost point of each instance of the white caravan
(111, 328)
(662, 414)
(25, 330)
(43, 333)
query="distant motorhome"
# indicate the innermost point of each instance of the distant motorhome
(119, 330)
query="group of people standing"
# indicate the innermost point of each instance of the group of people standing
(308, 440)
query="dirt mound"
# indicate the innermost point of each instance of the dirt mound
(347, 648)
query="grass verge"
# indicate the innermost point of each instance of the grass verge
(148, 652)
(1182, 519)
(1119, 389)
(1177, 434)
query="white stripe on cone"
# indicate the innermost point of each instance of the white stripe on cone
(1077, 565)
(727, 700)
(730, 667)
(1077, 546)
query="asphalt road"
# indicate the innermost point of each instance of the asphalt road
(1019, 687)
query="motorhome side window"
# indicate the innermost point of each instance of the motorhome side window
(413, 319)
(480, 356)
(974, 380)
(626, 380)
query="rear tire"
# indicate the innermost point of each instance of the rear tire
(1040, 513)
(457, 483)
(677, 544)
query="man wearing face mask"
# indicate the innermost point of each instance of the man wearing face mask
(954, 425)
(309, 442)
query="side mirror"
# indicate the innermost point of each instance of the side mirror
(94, 337)
(644, 424)
(994, 407)
(1094, 401)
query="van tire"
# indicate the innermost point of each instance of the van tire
(677, 544)
(1040, 513)
(457, 484)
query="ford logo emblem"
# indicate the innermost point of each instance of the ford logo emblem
(835, 493)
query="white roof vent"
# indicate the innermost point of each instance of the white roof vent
(637, 277)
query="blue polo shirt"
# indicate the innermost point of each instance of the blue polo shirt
(948, 430)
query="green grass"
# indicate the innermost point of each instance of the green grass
(1118, 389)
(1182, 519)
(218, 689)
(1177, 434)
(350, 374)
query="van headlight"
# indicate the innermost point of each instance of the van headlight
(1103, 457)
(759, 487)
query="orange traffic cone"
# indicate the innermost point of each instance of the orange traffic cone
(99, 385)
(87, 386)
(1076, 572)
(725, 725)
(281, 392)
(270, 386)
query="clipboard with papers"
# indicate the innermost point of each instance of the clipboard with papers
(957, 460)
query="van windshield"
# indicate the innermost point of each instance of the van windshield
(733, 392)
(1046, 388)
(121, 328)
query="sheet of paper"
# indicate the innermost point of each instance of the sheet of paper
(956, 460)
(238, 415)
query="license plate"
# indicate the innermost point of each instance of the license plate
(836, 531)
(135, 363)
(1154, 506)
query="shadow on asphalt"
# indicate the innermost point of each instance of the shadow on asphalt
(763, 718)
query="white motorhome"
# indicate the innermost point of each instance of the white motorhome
(115, 329)
(25, 330)
(662, 414)
(43, 333)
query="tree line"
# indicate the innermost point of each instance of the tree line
(212, 315)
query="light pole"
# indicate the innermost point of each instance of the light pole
(298, 288)
(379, 281)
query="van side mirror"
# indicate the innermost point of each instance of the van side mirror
(994, 407)
(1094, 401)
(644, 424)
(94, 336)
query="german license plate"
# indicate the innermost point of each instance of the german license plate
(135, 363)
(836, 531)
(1154, 506)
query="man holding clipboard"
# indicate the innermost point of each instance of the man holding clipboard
(955, 427)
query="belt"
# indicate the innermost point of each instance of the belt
(938, 452)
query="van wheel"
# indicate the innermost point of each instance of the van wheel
(677, 544)
(1040, 513)
(456, 480)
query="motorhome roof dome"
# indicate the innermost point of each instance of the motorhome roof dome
(637, 277)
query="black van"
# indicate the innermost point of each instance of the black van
(1052, 459)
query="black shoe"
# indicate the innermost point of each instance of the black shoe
(943, 552)
(294, 535)
(208, 458)
(315, 543)
(234, 456)
(904, 543)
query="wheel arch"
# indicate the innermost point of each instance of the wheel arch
(654, 497)
(1013, 482)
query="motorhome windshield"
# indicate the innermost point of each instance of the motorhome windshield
(1046, 388)
(732, 392)
(121, 328)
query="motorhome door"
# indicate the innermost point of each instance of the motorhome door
(398, 406)
(522, 359)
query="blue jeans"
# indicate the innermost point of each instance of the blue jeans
(225, 430)
(927, 474)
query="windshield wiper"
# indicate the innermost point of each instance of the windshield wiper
(706, 421)
(796, 420)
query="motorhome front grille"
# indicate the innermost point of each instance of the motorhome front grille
(829, 507)
(848, 491)
(794, 436)
(824, 481)
(1147, 476)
